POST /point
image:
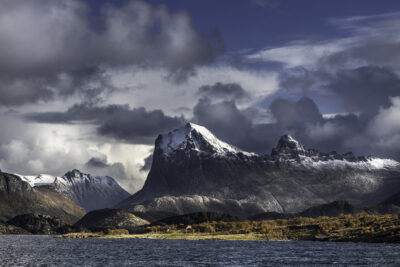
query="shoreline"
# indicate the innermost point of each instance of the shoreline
(170, 236)
(200, 236)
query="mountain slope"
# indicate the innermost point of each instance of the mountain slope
(90, 192)
(18, 197)
(193, 171)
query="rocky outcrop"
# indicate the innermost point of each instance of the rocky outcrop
(99, 220)
(8, 229)
(41, 224)
(193, 171)
(18, 197)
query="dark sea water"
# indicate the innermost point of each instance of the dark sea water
(50, 251)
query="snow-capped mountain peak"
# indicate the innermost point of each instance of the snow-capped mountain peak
(91, 192)
(288, 143)
(289, 151)
(195, 137)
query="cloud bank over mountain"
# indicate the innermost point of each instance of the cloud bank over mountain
(92, 85)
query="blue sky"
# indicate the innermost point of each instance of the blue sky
(244, 24)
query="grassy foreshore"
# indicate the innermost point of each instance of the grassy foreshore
(174, 235)
(355, 228)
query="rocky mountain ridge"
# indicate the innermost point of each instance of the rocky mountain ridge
(194, 171)
(90, 192)
(18, 197)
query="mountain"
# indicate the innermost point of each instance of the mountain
(18, 197)
(194, 171)
(90, 192)
(99, 220)
(333, 209)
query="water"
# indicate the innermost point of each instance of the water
(50, 251)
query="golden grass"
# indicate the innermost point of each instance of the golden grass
(358, 228)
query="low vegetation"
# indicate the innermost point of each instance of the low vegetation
(356, 228)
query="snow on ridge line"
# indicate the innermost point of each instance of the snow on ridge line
(39, 180)
(370, 164)
(174, 139)
(46, 179)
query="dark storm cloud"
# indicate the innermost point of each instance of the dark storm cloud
(101, 166)
(115, 170)
(238, 127)
(360, 71)
(147, 163)
(25, 90)
(295, 114)
(224, 119)
(139, 126)
(54, 47)
(88, 83)
(303, 120)
(136, 125)
(224, 91)
(97, 163)
(365, 89)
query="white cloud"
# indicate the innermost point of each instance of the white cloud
(140, 86)
(301, 53)
(385, 127)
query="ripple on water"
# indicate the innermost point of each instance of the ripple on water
(46, 250)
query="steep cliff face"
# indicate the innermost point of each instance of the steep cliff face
(195, 171)
(18, 197)
(90, 192)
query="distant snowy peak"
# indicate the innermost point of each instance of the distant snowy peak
(76, 176)
(288, 145)
(197, 138)
(39, 180)
(292, 152)
(90, 192)
(71, 177)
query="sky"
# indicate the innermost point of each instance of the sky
(90, 84)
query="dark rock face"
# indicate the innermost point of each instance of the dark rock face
(195, 218)
(383, 209)
(332, 209)
(12, 184)
(193, 171)
(8, 229)
(18, 197)
(99, 220)
(40, 224)
(392, 200)
(271, 216)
